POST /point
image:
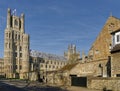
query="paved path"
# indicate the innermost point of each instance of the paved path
(74, 88)
(35, 86)
(7, 87)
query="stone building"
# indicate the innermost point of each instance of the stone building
(44, 63)
(34, 73)
(16, 47)
(100, 48)
(98, 65)
(72, 55)
(1, 67)
(115, 53)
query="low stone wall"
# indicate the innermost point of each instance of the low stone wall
(91, 68)
(112, 84)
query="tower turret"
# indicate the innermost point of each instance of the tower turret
(8, 18)
(22, 23)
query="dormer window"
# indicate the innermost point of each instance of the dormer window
(117, 38)
(115, 41)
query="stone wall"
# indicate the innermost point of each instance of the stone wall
(108, 83)
(115, 67)
(1, 67)
(33, 76)
(93, 68)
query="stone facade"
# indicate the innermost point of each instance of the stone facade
(115, 53)
(42, 64)
(1, 67)
(100, 49)
(115, 67)
(108, 84)
(16, 48)
(95, 68)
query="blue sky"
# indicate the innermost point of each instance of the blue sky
(54, 24)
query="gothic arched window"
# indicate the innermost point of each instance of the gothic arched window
(16, 22)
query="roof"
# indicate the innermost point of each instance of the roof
(68, 67)
(46, 56)
(116, 48)
(115, 31)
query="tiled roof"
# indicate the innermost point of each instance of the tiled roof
(116, 48)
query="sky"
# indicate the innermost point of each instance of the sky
(54, 24)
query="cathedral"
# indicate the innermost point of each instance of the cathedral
(16, 47)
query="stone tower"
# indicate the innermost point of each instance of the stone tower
(16, 47)
(72, 55)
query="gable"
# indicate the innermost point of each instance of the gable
(100, 47)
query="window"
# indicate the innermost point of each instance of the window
(18, 37)
(9, 35)
(96, 51)
(20, 48)
(6, 44)
(15, 36)
(6, 34)
(16, 22)
(15, 54)
(20, 67)
(41, 65)
(118, 38)
(15, 47)
(20, 54)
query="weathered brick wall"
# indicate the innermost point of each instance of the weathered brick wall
(108, 83)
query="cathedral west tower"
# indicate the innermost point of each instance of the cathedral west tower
(16, 47)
